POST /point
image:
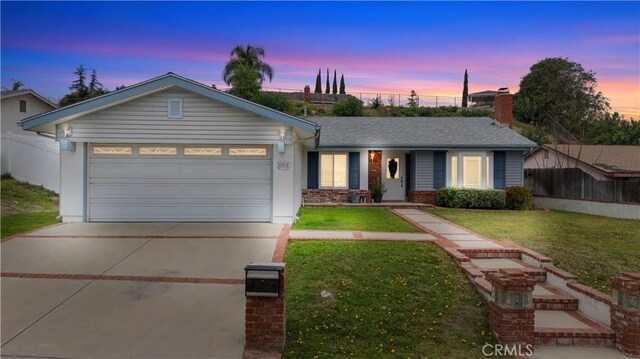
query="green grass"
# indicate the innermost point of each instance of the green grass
(592, 247)
(390, 300)
(352, 219)
(26, 207)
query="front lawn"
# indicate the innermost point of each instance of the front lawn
(352, 219)
(390, 300)
(592, 247)
(26, 207)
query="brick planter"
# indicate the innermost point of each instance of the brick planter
(511, 310)
(625, 313)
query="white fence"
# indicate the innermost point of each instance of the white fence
(32, 159)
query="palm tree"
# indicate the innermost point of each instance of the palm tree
(250, 56)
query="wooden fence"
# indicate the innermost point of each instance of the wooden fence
(573, 183)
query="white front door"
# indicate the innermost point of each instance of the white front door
(393, 171)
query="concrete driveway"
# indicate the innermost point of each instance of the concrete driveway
(137, 290)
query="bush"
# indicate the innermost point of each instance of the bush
(271, 100)
(518, 197)
(470, 198)
(348, 106)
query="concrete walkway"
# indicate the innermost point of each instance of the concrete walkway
(366, 236)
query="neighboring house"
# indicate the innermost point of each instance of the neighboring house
(172, 149)
(25, 155)
(602, 162)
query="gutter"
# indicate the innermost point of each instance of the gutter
(47, 135)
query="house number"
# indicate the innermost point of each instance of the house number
(283, 165)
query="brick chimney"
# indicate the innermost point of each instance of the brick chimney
(504, 108)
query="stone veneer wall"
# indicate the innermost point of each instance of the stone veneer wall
(375, 166)
(332, 195)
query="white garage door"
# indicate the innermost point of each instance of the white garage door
(179, 183)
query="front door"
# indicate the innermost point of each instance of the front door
(393, 173)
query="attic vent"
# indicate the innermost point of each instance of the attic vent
(175, 108)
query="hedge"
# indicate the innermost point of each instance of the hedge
(518, 197)
(471, 198)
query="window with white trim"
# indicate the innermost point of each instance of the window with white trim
(470, 170)
(334, 170)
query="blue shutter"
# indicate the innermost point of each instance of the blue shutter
(354, 170)
(312, 170)
(499, 169)
(439, 169)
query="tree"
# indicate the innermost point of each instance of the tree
(348, 106)
(327, 88)
(78, 86)
(558, 93)
(465, 89)
(245, 81)
(318, 83)
(244, 59)
(95, 87)
(376, 102)
(614, 129)
(413, 100)
(335, 83)
(15, 85)
(343, 90)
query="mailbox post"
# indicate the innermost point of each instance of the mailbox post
(265, 314)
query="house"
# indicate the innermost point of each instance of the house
(18, 105)
(172, 149)
(25, 155)
(602, 162)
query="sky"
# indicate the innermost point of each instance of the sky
(380, 47)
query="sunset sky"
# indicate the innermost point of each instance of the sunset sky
(379, 47)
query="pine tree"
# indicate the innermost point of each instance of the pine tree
(335, 83)
(318, 83)
(465, 89)
(79, 86)
(327, 89)
(95, 87)
(342, 87)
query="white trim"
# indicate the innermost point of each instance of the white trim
(320, 186)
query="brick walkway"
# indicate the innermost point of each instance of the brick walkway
(566, 312)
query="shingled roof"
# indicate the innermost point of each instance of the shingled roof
(418, 132)
(606, 158)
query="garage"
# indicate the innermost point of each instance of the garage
(166, 182)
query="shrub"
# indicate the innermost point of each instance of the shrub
(348, 106)
(518, 197)
(470, 198)
(271, 100)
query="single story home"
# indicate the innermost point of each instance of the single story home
(172, 149)
(602, 162)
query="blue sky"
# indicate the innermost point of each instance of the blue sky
(379, 47)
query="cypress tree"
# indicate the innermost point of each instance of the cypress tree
(335, 83)
(328, 89)
(465, 89)
(318, 83)
(342, 88)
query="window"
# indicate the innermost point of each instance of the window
(247, 151)
(112, 150)
(202, 151)
(175, 108)
(470, 170)
(23, 106)
(158, 151)
(333, 170)
(393, 168)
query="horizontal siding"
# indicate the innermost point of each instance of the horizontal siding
(424, 170)
(412, 172)
(204, 121)
(514, 168)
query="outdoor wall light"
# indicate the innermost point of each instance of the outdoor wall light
(372, 156)
(68, 131)
(283, 133)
